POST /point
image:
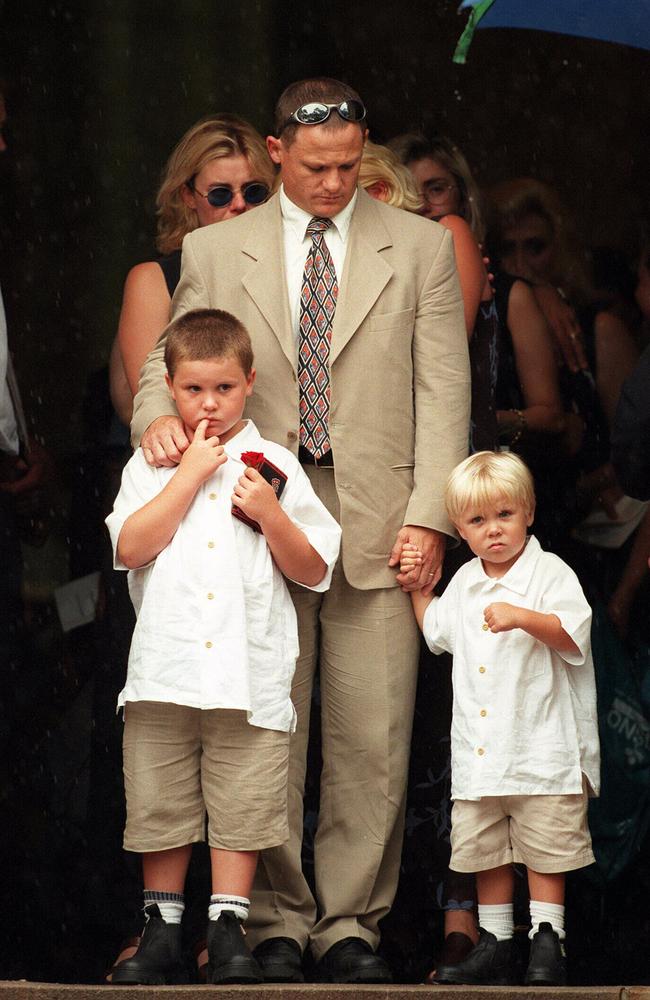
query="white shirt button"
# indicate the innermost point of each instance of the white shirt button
(481, 669)
(210, 545)
(208, 645)
(480, 752)
(483, 713)
(210, 597)
(212, 496)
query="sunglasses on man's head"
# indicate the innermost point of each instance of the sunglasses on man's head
(317, 112)
(221, 195)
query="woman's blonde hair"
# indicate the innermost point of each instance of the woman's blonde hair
(510, 202)
(413, 146)
(208, 139)
(486, 477)
(379, 164)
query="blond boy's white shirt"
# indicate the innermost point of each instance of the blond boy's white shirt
(216, 627)
(524, 716)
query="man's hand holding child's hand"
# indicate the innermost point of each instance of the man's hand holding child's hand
(203, 457)
(501, 617)
(255, 496)
(410, 558)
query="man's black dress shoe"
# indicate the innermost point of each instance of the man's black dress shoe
(489, 963)
(280, 960)
(352, 960)
(547, 962)
(158, 960)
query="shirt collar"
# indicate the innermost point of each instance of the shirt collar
(247, 439)
(518, 576)
(297, 219)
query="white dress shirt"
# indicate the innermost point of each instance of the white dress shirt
(524, 716)
(216, 627)
(297, 245)
(8, 425)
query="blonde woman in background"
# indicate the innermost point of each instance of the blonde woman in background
(219, 169)
(386, 179)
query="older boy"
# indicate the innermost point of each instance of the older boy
(207, 697)
(524, 735)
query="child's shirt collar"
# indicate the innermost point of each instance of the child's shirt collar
(518, 576)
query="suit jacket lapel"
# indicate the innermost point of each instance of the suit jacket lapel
(365, 273)
(265, 281)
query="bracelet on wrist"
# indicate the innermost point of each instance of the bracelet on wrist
(520, 426)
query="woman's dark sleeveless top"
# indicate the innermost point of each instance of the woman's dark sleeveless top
(170, 265)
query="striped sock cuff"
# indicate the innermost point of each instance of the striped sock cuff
(220, 901)
(155, 896)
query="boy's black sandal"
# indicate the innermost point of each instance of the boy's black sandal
(547, 962)
(229, 958)
(158, 960)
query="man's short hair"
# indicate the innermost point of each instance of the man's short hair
(488, 477)
(319, 88)
(204, 334)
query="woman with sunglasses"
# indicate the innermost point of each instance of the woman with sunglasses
(219, 169)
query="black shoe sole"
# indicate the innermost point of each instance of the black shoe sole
(282, 977)
(132, 979)
(234, 972)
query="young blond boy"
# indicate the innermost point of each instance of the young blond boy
(524, 739)
(207, 698)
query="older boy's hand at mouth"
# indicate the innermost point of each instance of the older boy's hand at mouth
(501, 617)
(203, 457)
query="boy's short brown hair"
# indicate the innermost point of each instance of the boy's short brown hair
(202, 334)
(486, 477)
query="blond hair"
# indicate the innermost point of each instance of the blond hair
(204, 334)
(486, 477)
(380, 164)
(209, 139)
(414, 146)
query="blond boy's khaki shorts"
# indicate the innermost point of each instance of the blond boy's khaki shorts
(180, 762)
(547, 833)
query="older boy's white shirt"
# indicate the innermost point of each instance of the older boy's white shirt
(524, 716)
(216, 627)
(297, 245)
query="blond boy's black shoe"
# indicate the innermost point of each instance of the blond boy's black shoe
(547, 962)
(229, 958)
(158, 960)
(489, 963)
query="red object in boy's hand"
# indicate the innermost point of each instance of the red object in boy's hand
(276, 477)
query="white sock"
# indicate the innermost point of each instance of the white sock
(551, 913)
(170, 904)
(221, 901)
(497, 918)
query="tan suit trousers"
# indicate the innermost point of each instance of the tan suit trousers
(366, 643)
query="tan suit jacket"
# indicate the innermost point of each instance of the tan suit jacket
(400, 379)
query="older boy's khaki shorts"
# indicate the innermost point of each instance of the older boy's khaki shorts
(180, 762)
(547, 833)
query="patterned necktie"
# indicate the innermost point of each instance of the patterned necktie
(317, 305)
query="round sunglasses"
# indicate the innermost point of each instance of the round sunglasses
(317, 112)
(221, 195)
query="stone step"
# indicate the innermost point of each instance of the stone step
(22, 990)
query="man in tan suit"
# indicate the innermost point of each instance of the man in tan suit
(395, 423)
